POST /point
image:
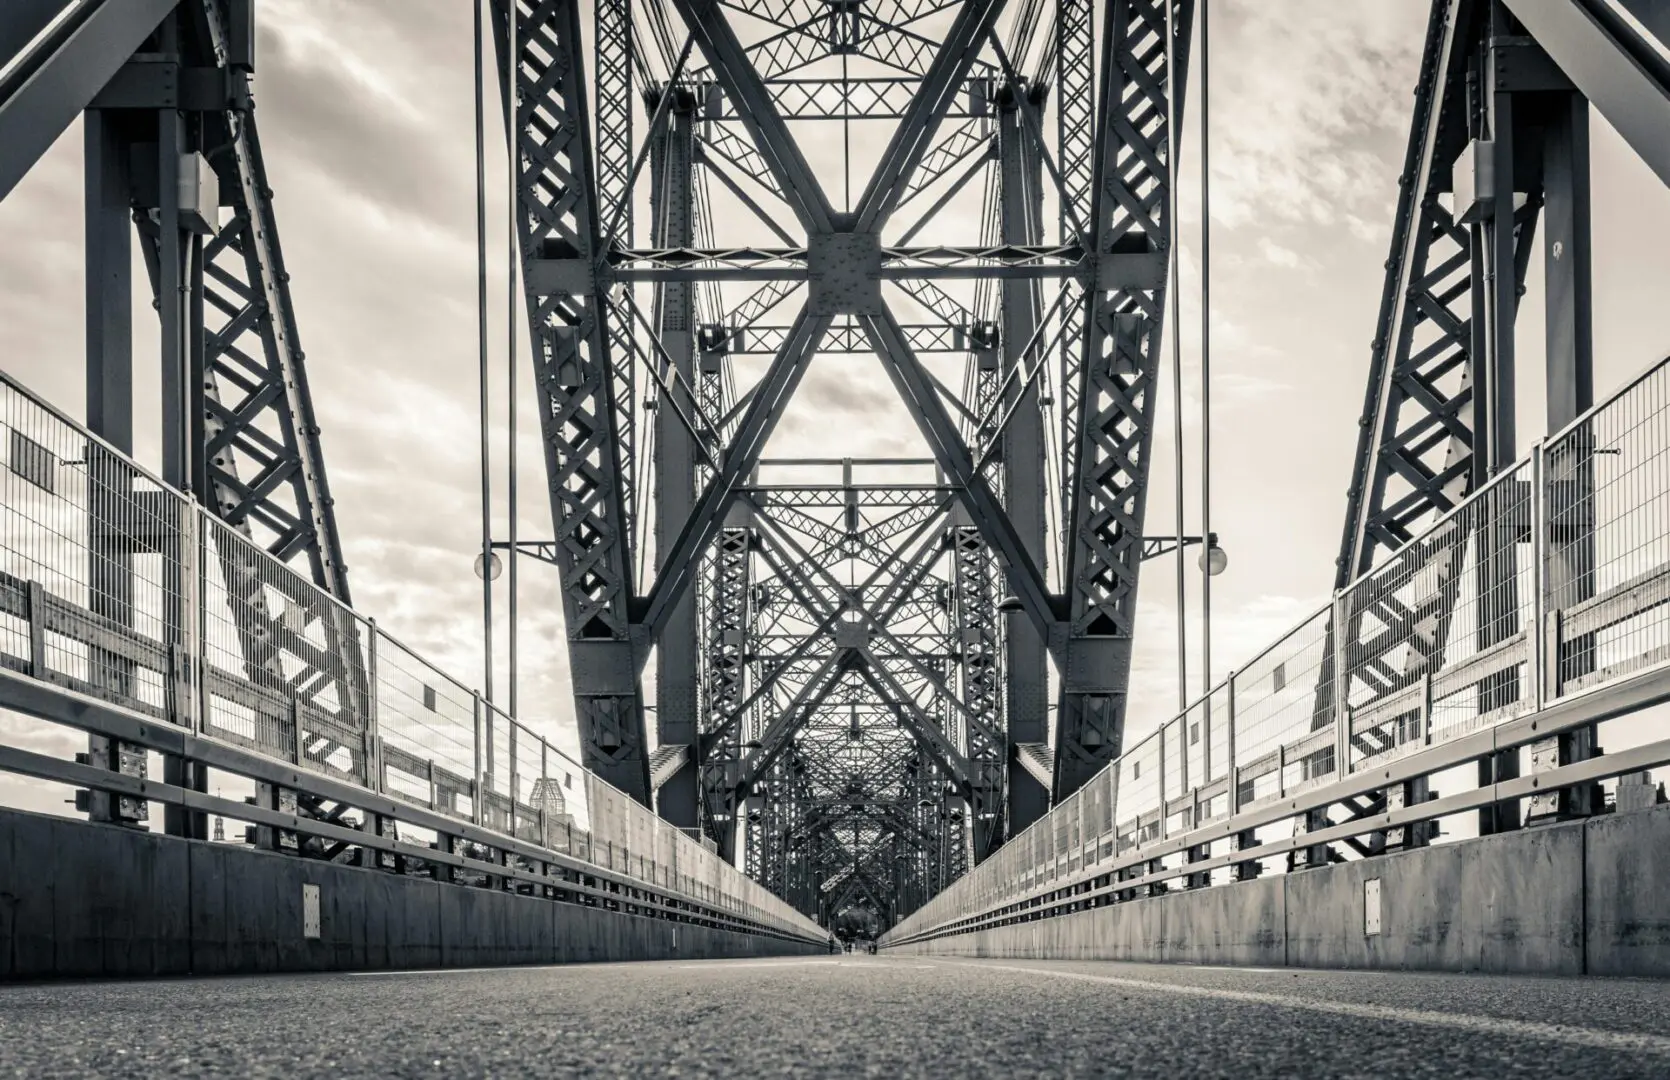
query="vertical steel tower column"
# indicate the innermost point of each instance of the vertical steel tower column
(730, 630)
(1116, 380)
(1569, 484)
(587, 448)
(1026, 662)
(676, 695)
(109, 245)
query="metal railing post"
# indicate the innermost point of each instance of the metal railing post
(1206, 741)
(1232, 771)
(376, 779)
(1183, 757)
(196, 617)
(1536, 639)
(1426, 708)
(1161, 779)
(1342, 709)
(181, 636)
(1116, 769)
(544, 791)
(477, 790)
(295, 730)
(515, 786)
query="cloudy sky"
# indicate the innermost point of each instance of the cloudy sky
(366, 119)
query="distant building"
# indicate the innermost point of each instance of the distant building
(547, 796)
(1636, 791)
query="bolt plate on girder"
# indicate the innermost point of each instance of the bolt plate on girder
(1131, 270)
(851, 635)
(1093, 664)
(843, 271)
(602, 667)
(561, 277)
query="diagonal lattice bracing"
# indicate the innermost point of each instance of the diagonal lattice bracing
(586, 469)
(1430, 417)
(262, 455)
(1115, 378)
(1414, 451)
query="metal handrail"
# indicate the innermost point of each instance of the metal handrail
(962, 899)
(191, 530)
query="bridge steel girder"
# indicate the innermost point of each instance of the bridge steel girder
(893, 680)
(742, 83)
(677, 648)
(1439, 418)
(239, 431)
(1116, 375)
(1025, 659)
(1622, 72)
(1075, 155)
(730, 629)
(239, 426)
(614, 50)
(720, 688)
(559, 240)
(979, 647)
(55, 80)
(1412, 430)
(1417, 426)
(1429, 433)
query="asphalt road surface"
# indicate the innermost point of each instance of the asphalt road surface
(841, 1017)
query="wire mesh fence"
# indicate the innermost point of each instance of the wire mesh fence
(1098, 818)
(285, 665)
(1438, 639)
(93, 563)
(1606, 562)
(1137, 810)
(1065, 823)
(1550, 580)
(1281, 698)
(530, 788)
(114, 585)
(428, 727)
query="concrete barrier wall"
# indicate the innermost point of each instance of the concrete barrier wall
(1585, 897)
(78, 899)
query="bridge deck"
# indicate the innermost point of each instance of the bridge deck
(841, 1016)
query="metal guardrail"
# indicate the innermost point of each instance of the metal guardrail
(128, 611)
(1536, 608)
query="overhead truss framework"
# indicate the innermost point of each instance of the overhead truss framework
(712, 196)
(855, 740)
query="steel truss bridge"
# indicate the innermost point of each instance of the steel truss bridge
(854, 678)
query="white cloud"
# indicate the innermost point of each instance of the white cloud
(1302, 93)
(1280, 256)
